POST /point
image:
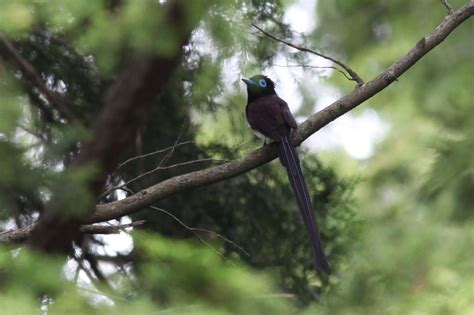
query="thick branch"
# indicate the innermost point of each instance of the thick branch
(353, 75)
(315, 122)
(109, 229)
(21, 235)
(9, 51)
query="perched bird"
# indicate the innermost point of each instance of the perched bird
(271, 120)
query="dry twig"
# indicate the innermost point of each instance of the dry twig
(30, 72)
(352, 74)
(194, 230)
(448, 6)
(152, 153)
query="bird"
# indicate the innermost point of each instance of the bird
(271, 120)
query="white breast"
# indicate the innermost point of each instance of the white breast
(262, 136)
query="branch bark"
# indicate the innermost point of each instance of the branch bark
(21, 235)
(448, 6)
(263, 155)
(109, 229)
(9, 51)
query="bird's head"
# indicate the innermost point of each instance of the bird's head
(259, 85)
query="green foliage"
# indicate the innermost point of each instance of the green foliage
(10, 112)
(15, 17)
(417, 188)
(403, 267)
(403, 247)
(452, 177)
(71, 191)
(173, 277)
(132, 28)
(189, 274)
(78, 48)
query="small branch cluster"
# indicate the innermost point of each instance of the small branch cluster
(353, 76)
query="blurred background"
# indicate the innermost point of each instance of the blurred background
(392, 181)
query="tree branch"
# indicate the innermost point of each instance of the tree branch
(152, 153)
(195, 230)
(353, 75)
(156, 169)
(109, 229)
(314, 67)
(315, 122)
(22, 234)
(448, 6)
(9, 51)
(263, 155)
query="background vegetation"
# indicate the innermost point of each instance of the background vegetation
(397, 225)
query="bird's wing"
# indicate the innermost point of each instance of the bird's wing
(270, 116)
(287, 115)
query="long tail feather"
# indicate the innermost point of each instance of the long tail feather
(290, 160)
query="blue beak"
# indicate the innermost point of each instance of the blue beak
(248, 81)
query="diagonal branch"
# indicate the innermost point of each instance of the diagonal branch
(156, 169)
(315, 122)
(353, 75)
(224, 171)
(152, 153)
(9, 51)
(314, 67)
(448, 6)
(195, 230)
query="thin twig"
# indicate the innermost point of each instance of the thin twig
(32, 132)
(194, 230)
(93, 264)
(92, 271)
(225, 239)
(448, 6)
(152, 153)
(102, 293)
(162, 162)
(315, 67)
(173, 148)
(168, 167)
(188, 228)
(109, 229)
(158, 168)
(353, 75)
(30, 72)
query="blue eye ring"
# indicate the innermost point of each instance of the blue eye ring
(262, 83)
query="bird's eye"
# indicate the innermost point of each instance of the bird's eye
(262, 83)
